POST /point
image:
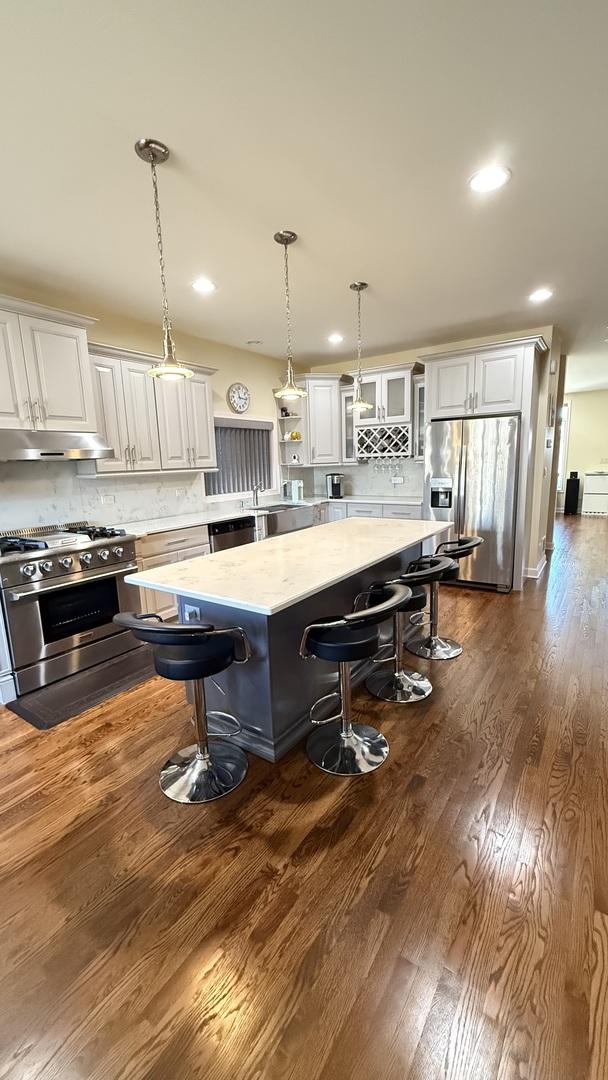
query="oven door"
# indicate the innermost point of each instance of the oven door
(45, 620)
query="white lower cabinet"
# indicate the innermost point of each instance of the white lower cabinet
(336, 511)
(160, 549)
(153, 601)
(368, 510)
(396, 510)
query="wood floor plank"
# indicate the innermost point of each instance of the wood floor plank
(446, 917)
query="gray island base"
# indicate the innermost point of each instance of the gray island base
(273, 589)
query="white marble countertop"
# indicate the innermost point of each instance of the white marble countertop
(225, 512)
(282, 570)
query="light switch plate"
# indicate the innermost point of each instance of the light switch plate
(397, 480)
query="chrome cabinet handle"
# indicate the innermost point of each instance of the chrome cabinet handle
(476, 398)
(36, 412)
(133, 456)
(29, 410)
(193, 458)
(127, 456)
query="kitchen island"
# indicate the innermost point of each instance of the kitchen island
(273, 589)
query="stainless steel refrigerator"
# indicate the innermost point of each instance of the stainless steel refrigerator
(471, 468)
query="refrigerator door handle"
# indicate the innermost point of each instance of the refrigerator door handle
(462, 501)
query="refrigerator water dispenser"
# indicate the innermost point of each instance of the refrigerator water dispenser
(441, 493)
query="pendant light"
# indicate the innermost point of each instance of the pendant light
(358, 403)
(169, 368)
(289, 391)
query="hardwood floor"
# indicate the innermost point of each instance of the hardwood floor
(447, 917)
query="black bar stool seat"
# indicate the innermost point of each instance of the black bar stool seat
(337, 745)
(401, 685)
(192, 652)
(435, 646)
(343, 643)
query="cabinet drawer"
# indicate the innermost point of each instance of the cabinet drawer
(365, 509)
(173, 540)
(194, 552)
(390, 510)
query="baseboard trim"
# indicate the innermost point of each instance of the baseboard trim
(536, 571)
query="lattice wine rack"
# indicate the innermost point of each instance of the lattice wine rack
(384, 441)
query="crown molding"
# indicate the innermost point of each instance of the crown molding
(41, 311)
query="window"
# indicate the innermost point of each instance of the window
(564, 431)
(243, 456)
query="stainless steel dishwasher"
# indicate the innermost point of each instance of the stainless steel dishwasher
(233, 533)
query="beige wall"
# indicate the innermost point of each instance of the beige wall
(409, 356)
(588, 438)
(260, 373)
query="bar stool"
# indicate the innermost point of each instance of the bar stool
(402, 685)
(433, 646)
(193, 652)
(337, 745)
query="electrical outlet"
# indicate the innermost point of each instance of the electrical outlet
(191, 613)
(397, 480)
(180, 493)
(108, 498)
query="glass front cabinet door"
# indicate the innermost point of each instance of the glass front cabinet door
(349, 448)
(419, 419)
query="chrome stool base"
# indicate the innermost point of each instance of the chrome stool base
(352, 752)
(434, 647)
(399, 686)
(190, 776)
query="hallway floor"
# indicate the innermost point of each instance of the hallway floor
(445, 917)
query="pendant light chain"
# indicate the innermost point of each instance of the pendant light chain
(168, 340)
(288, 316)
(359, 334)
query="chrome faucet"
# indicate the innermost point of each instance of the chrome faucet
(255, 491)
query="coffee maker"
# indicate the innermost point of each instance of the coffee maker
(334, 485)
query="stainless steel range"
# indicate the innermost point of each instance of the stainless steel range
(61, 587)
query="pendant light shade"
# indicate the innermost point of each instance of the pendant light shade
(170, 369)
(359, 404)
(289, 391)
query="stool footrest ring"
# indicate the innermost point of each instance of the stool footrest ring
(318, 703)
(217, 714)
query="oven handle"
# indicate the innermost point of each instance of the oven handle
(34, 590)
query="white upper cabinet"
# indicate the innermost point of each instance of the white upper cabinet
(390, 394)
(15, 407)
(185, 421)
(142, 423)
(58, 375)
(175, 449)
(396, 397)
(498, 381)
(199, 402)
(489, 381)
(46, 380)
(111, 412)
(324, 420)
(450, 386)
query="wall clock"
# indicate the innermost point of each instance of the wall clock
(238, 397)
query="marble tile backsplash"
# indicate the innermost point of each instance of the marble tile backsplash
(370, 478)
(45, 492)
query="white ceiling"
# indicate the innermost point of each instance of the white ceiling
(355, 124)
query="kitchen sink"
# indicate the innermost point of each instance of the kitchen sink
(274, 507)
(285, 517)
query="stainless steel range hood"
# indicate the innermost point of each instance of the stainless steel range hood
(52, 446)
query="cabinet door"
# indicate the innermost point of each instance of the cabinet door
(396, 397)
(450, 386)
(371, 389)
(59, 374)
(498, 380)
(324, 421)
(111, 414)
(368, 510)
(201, 430)
(142, 423)
(419, 417)
(336, 511)
(347, 430)
(175, 452)
(15, 409)
(153, 601)
(194, 552)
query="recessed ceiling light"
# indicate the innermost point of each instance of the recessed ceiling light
(336, 338)
(490, 178)
(540, 295)
(203, 285)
